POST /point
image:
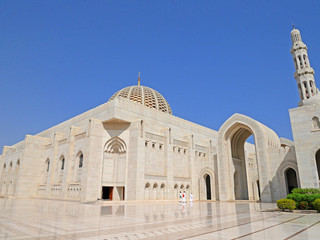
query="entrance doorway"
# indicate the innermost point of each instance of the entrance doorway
(291, 179)
(318, 163)
(107, 193)
(258, 185)
(208, 187)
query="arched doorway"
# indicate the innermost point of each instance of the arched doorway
(114, 169)
(258, 187)
(251, 161)
(318, 163)
(208, 186)
(291, 179)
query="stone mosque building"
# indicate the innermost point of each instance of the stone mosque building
(134, 148)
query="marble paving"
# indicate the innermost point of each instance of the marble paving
(51, 219)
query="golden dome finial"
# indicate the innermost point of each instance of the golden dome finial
(139, 79)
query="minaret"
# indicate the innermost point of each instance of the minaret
(304, 73)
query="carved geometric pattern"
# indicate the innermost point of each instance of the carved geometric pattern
(144, 95)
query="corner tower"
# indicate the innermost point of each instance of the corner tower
(304, 119)
(304, 73)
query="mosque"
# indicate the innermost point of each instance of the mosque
(134, 148)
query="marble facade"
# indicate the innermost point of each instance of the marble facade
(132, 148)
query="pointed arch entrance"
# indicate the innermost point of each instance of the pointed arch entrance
(114, 169)
(233, 162)
(207, 185)
(291, 179)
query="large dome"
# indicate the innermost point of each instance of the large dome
(144, 95)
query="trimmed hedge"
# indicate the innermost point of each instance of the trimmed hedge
(298, 198)
(316, 205)
(305, 190)
(286, 204)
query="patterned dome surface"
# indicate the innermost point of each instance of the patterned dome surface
(144, 95)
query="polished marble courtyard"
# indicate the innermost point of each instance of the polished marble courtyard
(49, 219)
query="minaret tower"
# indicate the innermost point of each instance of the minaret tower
(304, 73)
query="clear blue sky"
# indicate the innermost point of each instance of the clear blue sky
(209, 59)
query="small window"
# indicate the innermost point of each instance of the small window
(146, 143)
(81, 160)
(153, 145)
(316, 123)
(185, 151)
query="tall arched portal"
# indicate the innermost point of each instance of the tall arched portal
(246, 162)
(291, 179)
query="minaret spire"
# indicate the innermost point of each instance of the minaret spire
(139, 79)
(304, 73)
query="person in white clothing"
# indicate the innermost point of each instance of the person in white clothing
(184, 197)
(180, 197)
(191, 197)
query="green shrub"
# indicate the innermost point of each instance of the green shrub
(286, 204)
(298, 198)
(305, 190)
(316, 204)
(303, 205)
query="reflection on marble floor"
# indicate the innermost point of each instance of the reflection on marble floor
(49, 219)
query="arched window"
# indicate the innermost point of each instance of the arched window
(300, 61)
(176, 186)
(81, 160)
(311, 87)
(162, 185)
(305, 60)
(147, 185)
(306, 89)
(155, 185)
(62, 163)
(315, 122)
